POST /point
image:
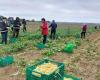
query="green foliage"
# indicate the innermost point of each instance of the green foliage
(48, 52)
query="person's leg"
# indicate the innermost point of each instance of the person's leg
(54, 34)
(44, 39)
(24, 28)
(81, 34)
(84, 34)
(2, 35)
(5, 37)
(17, 33)
(14, 33)
(51, 35)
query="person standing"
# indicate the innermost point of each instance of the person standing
(44, 30)
(24, 25)
(4, 30)
(84, 29)
(16, 27)
(53, 27)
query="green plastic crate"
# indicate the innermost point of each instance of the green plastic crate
(4, 61)
(69, 76)
(69, 48)
(40, 46)
(56, 75)
(13, 40)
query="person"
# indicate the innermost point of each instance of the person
(4, 30)
(44, 30)
(84, 29)
(95, 27)
(53, 27)
(16, 27)
(24, 25)
(10, 21)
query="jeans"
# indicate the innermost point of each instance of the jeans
(4, 37)
(24, 28)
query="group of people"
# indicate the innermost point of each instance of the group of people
(44, 29)
(15, 29)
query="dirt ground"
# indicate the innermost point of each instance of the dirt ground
(80, 64)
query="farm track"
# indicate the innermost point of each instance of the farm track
(77, 64)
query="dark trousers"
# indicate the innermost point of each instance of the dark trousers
(24, 28)
(53, 34)
(15, 33)
(44, 39)
(4, 37)
(83, 34)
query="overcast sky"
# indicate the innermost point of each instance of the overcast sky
(60, 10)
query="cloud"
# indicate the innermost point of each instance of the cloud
(60, 10)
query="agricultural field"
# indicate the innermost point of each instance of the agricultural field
(83, 62)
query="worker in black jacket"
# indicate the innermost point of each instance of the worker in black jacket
(24, 25)
(3, 30)
(53, 27)
(16, 27)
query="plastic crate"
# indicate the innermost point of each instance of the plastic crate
(13, 40)
(56, 75)
(4, 61)
(69, 48)
(40, 46)
(69, 76)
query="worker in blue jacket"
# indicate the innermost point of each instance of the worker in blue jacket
(53, 27)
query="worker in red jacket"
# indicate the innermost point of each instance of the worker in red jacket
(44, 30)
(84, 29)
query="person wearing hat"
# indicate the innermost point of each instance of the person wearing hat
(24, 25)
(16, 27)
(3, 30)
(53, 27)
(44, 30)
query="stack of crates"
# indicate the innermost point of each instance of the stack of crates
(56, 75)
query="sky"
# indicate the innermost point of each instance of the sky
(59, 10)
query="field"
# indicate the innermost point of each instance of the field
(83, 63)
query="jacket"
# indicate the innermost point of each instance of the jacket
(53, 26)
(17, 24)
(3, 26)
(44, 28)
(84, 28)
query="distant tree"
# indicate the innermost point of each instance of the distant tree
(33, 20)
